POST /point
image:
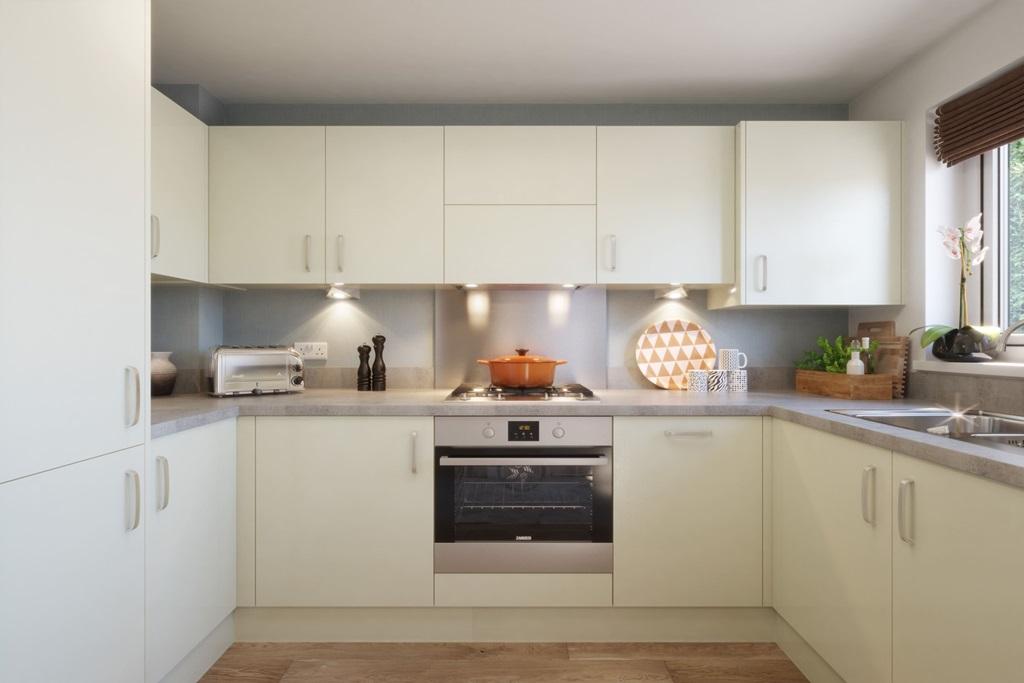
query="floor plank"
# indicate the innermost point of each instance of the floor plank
(390, 651)
(482, 671)
(672, 650)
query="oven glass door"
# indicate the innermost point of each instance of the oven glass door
(523, 494)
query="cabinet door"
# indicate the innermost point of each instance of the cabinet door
(519, 244)
(344, 512)
(267, 204)
(73, 226)
(832, 554)
(190, 541)
(385, 204)
(72, 573)
(958, 597)
(665, 204)
(688, 515)
(179, 191)
(820, 212)
(519, 164)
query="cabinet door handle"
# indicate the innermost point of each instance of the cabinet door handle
(413, 436)
(164, 468)
(133, 398)
(613, 256)
(762, 260)
(133, 500)
(867, 494)
(700, 434)
(341, 253)
(154, 235)
(905, 511)
(309, 251)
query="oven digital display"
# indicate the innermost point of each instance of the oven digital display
(521, 430)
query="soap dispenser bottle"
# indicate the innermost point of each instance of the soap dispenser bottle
(855, 366)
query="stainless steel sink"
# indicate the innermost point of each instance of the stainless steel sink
(1005, 432)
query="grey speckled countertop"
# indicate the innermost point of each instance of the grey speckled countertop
(177, 413)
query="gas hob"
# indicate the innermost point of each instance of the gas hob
(479, 392)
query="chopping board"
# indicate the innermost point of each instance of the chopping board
(667, 350)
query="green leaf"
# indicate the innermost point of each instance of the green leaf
(931, 334)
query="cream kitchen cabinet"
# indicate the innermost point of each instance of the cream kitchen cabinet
(179, 191)
(267, 209)
(688, 512)
(73, 225)
(344, 512)
(832, 552)
(665, 204)
(519, 164)
(72, 567)
(958, 559)
(190, 541)
(385, 204)
(519, 244)
(819, 214)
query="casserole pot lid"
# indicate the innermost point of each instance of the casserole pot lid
(521, 357)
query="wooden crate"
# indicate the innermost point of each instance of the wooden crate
(839, 385)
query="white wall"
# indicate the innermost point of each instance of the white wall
(934, 196)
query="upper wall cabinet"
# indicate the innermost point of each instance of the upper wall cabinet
(819, 212)
(385, 204)
(665, 204)
(179, 191)
(519, 165)
(267, 204)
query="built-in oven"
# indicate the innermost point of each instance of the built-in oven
(523, 495)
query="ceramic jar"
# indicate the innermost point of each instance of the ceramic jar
(162, 373)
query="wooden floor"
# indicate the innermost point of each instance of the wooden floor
(499, 662)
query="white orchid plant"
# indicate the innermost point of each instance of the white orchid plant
(963, 245)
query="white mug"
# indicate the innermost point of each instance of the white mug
(697, 380)
(737, 380)
(730, 359)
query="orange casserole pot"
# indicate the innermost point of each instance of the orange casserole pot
(522, 371)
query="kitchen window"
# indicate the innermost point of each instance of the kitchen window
(1003, 273)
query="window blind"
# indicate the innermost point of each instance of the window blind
(981, 119)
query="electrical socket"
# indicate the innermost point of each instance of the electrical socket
(312, 350)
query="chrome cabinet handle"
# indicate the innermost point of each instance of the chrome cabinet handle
(867, 494)
(701, 434)
(133, 500)
(763, 261)
(512, 461)
(612, 253)
(164, 468)
(340, 249)
(905, 511)
(132, 378)
(309, 250)
(412, 441)
(154, 235)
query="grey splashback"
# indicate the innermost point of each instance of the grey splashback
(995, 394)
(569, 325)
(188, 321)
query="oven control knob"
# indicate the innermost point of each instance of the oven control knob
(488, 432)
(558, 432)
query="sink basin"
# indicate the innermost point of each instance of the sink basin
(1005, 432)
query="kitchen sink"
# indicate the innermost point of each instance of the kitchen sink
(1005, 432)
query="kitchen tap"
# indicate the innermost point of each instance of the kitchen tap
(1004, 338)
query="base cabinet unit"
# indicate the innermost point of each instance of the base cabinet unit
(190, 541)
(72, 556)
(958, 563)
(665, 204)
(344, 512)
(819, 214)
(832, 553)
(688, 512)
(267, 204)
(179, 183)
(523, 590)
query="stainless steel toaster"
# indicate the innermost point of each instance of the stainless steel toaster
(241, 370)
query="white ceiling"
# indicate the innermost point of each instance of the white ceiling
(542, 51)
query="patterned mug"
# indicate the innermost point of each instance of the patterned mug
(730, 359)
(718, 380)
(737, 380)
(697, 380)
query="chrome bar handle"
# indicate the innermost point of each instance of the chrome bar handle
(340, 249)
(512, 461)
(164, 468)
(867, 494)
(699, 434)
(412, 441)
(612, 253)
(763, 261)
(309, 250)
(132, 378)
(154, 235)
(133, 500)
(904, 511)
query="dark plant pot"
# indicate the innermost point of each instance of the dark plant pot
(964, 345)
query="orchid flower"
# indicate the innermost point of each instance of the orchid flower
(964, 245)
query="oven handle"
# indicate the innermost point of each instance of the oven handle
(448, 461)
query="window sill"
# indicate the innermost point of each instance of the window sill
(990, 369)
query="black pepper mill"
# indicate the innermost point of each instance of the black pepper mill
(379, 382)
(363, 373)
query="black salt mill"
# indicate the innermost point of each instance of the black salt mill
(363, 373)
(379, 381)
